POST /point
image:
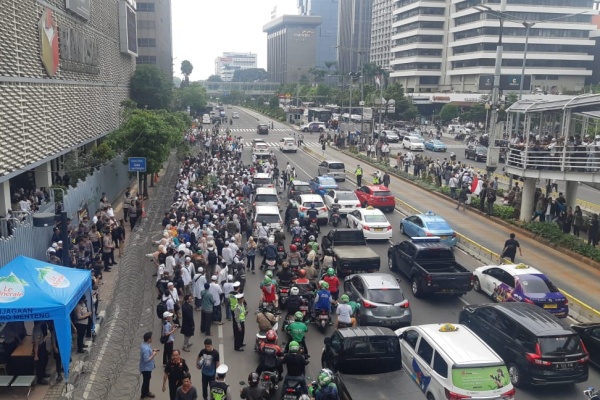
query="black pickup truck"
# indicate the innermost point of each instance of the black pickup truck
(367, 364)
(430, 266)
(351, 252)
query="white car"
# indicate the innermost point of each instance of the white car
(261, 149)
(371, 221)
(206, 119)
(288, 144)
(235, 115)
(304, 201)
(314, 126)
(412, 143)
(346, 199)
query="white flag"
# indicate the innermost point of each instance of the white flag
(377, 81)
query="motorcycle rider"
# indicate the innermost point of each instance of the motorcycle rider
(265, 319)
(344, 312)
(333, 282)
(296, 230)
(253, 391)
(285, 276)
(312, 244)
(270, 252)
(294, 302)
(296, 366)
(327, 260)
(312, 212)
(323, 299)
(263, 233)
(294, 257)
(297, 331)
(326, 389)
(269, 292)
(270, 353)
(269, 274)
(335, 209)
(279, 238)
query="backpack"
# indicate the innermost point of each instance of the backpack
(212, 257)
(161, 307)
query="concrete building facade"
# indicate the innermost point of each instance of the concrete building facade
(354, 34)
(229, 62)
(155, 37)
(62, 79)
(447, 45)
(381, 32)
(291, 47)
(328, 30)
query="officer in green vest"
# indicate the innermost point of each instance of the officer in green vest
(239, 326)
(219, 390)
(359, 174)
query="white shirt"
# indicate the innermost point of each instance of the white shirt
(198, 285)
(227, 288)
(170, 265)
(216, 291)
(170, 303)
(344, 312)
(186, 276)
(174, 294)
(227, 254)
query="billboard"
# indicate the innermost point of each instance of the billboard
(128, 29)
(507, 82)
(79, 7)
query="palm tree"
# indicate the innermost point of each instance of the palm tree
(317, 73)
(186, 71)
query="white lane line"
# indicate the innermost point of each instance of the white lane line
(220, 331)
(221, 353)
(463, 300)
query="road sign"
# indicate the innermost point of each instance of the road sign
(137, 164)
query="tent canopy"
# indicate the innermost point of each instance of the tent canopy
(35, 290)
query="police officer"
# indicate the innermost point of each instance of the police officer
(359, 174)
(219, 390)
(239, 326)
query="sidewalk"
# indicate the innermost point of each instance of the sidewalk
(577, 278)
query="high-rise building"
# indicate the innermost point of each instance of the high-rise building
(381, 32)
(327, 31)
(291, 47)
(450, 46)
(354, 34)
(155, 38)
(228, 63)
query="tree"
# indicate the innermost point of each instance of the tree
(193, 96)
(214, 78)
(151, 88)
(370, 70)
(186, 71)
(449, 112)
(176, 81)
(304, 80)
(329, 64)
(317, 73)
(250, 75)
(274, 102)
(476, 113)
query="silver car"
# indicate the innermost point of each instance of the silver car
(381, 300)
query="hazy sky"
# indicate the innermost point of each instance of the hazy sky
(203, 29)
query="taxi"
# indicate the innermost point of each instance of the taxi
(521, 283)
(428, 224)
(288, 144)
(371, 221)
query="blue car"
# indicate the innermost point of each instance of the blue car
(435, 145)
(322, 184)
(428, 224)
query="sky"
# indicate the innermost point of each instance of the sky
(204, 29)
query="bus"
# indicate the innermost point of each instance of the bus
(319, 114)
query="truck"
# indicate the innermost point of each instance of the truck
(367, 364)
(351, 254)
(430, 266)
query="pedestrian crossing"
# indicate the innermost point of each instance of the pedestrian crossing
(254, 130)
(305, 143)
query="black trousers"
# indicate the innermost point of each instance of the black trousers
(42, 362)
(358, 180)
(146, 375)
(205, 381)
(238, 334)
(205, 322)
(81, 329)
(167, 351)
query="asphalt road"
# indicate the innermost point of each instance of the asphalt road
(433, 310)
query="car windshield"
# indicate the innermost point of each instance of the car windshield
(386, 296)
(382, 193)
(326, 181)
(345, 196)
(270, 218)
(438, 226)
(318, 204)
(536, 284)
(302, 188)
(263, 127)
(560, 345)
(481, 149)
(336, 165)
(262, 181)
(375, 218)
(265, 198)
(413, 139)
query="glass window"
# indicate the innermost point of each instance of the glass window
(336, 166)
(375, 218)
(382, 193)
(345, 196)
(425, 351)
(327, 181)
(145, 7)
(266, 198)
(318, 204)
(411, 337)
(440, 365)
(480, 378)
(146, 42)
(439, 226)
(560, 345)
(536, 284)
(505, 324)
(435, 254)
(270, 218)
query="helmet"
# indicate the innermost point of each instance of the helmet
(267, 280)
(269, 273)
(294, 346)
(324, 285)
(311, 238)
(312, 205)
(271, 336)
(296, 223)
(271, 240)
(336, 200)
(264, 222)
(302, 273)
(294, 291)
(344, 298)
(293, 247)
(299, 316)
(330, 272)
(253, 379)
(265, 304)
(324, 379)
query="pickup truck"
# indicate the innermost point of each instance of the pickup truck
(367, 364)
(430, 266)
(351, 254)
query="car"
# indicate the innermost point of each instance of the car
(262, 129)
(412, 143)
(590, 336)
(520, 283)
(288, 144)
(382, 302)
(371, 221)
(476, 152)
(313, 127)
(416, 134)
(346, 199)
(298, 187)
(206, 119)
(428, 224)
(263, 179)
(229, 106)
(435, 145)
(321, 184)
(303, 203)
(265, 196)
(378, 196)
(235, 115)
(335, 169)
(389, 135)
(261, 149)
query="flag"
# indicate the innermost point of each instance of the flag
(475, 185)
(377, 81)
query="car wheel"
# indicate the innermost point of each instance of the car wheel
(515, 375)
(390, 262)
(430, 396)
(415, 287)
(347, 223)
(477, 158)
(305, 130)
(402, 229)
(476, 285)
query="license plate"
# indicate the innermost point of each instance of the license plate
(347, 206)
(388, 322)
(323, 317)
(565, 366)
(550, 305)
(443, 237)
(378, 229)
(290, 397)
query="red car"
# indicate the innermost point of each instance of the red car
(377, 196)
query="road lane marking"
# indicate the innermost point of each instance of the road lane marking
(220, 331)
(221, 354)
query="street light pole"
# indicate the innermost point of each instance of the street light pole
(527, 26)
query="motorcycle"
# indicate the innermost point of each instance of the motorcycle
(283, 291)
(292, 388)
(322, 319)
(460, 137)
(281, 254)
(336, 219)
(262, 336)
(313, 225)
(270, 381)
(269, 265)
(297, 240)
(592, 394)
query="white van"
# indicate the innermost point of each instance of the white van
(450, 361)
(288, 144)
(270, 214)
(265, 196)
(458, 129)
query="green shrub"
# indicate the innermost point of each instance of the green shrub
(556, 236)
(500, 193)
(504, 212)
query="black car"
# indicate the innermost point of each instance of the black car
(297, 188)
(537, 347)
(476, 152)
(590, 335)
(262, 129)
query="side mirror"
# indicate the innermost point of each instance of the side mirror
(335, 200)
(327, 341)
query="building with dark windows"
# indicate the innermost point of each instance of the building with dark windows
(450, 46)
(354, 34)
(291, 47)
(327, 31)
(155, 38)
(381, 32)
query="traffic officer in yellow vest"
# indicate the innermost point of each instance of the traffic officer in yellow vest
(376, 180)
(219, 390)
(359, 174)
(239, 319)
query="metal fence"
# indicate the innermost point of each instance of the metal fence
(19, 237)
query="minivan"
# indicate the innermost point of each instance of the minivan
(450, 362)
(537, 347)
(335, 169)
(263, 179)
(265, 196)
(269, 214)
